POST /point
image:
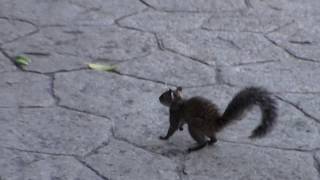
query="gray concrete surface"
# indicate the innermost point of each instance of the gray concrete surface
(61, 120)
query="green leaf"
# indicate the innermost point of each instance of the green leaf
(102, 67)
(22, 61)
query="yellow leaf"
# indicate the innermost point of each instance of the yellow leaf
(102, 67)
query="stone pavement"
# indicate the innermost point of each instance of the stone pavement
(60, 120)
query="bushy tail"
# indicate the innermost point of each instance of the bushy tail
(246, 98)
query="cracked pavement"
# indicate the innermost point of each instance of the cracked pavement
(60, 120)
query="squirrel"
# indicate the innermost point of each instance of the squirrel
(203, 117)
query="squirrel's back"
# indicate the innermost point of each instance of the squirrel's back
(199, 107)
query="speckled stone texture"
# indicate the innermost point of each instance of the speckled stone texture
(61, 120)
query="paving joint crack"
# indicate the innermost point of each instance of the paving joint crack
(280, 27)
(52, 90)
(188, 57)
(117, 62)
(248, 4)
(298, 108)
(164, 48)
(19, 19)
(316, 165)
(37, 29)
(231, 42)
(85, 164)
(5, 54)
(289, 52)
(147, 4)
(158, 40)
(300, 42)
(96, 149)
(231, 31)
(29, 107)
(274, 7)
(117, 21)
(38, 152)
(34, 53)
(199, 86)
(83, 111)
(257, 62)
(269, 147)
(145, 79)
(292, 54)
(173, 11)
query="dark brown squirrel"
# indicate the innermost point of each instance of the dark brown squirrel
(203, 117)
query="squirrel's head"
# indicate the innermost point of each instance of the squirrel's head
(170, 96)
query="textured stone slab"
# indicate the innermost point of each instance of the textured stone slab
(196, 5)
(233, 161)
(317, 159)
(170, 68)
(132, 104)
(21, 165)
(52, 130)
(52, 48)
(300, 39)
(293, 130)
(254, 20)
(24, 89)
(223, 48)
(155, 21)
(120, 160)
(287, 76)
(295, 9)
(308, 102)
(5, 64)
(95, 12)
(12, 29)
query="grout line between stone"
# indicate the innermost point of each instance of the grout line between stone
(269, 147)
(37, 152)
(299, 108)
(289, 52)
(85, 164)
(316, 165)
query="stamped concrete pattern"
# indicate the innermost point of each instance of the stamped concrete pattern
(61, 120)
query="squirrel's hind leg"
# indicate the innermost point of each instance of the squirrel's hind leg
(199, 137)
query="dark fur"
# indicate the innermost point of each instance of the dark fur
(204, 119)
